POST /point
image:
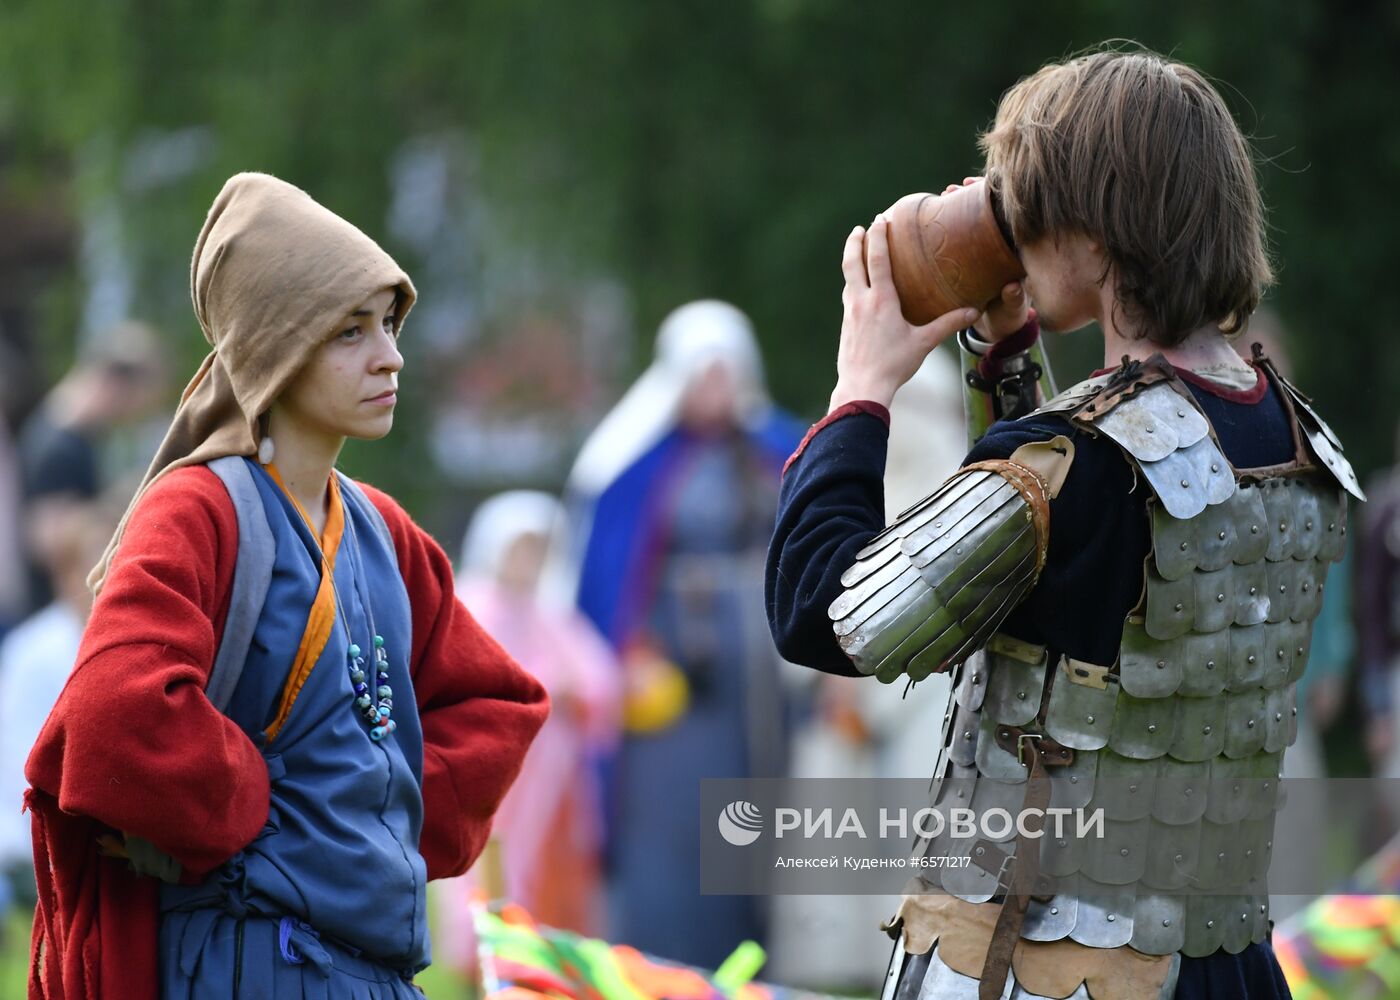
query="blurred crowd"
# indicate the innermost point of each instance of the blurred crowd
(635, 595)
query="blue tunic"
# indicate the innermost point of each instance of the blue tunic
(329, 899)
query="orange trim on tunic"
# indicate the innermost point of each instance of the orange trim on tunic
(321, 619)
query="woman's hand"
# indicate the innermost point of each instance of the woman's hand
(880, 350)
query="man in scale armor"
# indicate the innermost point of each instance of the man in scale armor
(1122, 578)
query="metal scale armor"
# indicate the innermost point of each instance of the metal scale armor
(1180, 741)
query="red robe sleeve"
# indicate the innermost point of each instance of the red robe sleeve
(479, 708)
(133, 744)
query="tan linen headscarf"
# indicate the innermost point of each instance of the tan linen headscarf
(273, 276)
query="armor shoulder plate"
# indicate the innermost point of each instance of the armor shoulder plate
(934, 585)
(1160, 426)
(1322, 442)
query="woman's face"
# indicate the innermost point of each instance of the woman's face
(348, 389)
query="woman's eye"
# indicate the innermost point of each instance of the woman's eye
(350, 334)
(390, 325)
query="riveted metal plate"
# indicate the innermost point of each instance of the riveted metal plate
(1242, 921)
(1072, 786)
(1059, 855)
(1214, 529)
(1105, 917)
(1332, 519)
(1206, 663)
(972, 683)
(1183, 791)
(1076, 395)
(1331, 459)
(1205, 924)
(1159, 923)
(992, 760)
(876, 589)
(1246, 715)
(1200, 728)
(962, 744)
(1051, 920)
(1173, 853)
(1281, 720)
(1281, 645)
(872, 642)
(1222, 856)
(1279, 518)
(1308, 528)
(1284, 582)
(1139, 431)
(991, 511)
(1175, 550)
(932, 508)
(1124, 787)
(1080, 716)
(1189, 480)
(1252, 593)
(1307, 603)
(969, 882)
(1013, 690)
(1257, 837)
(1247, 512)
(1120, 856)
(1143, 728)
(1230, 783)
(1215, 600)
(1171, 606)
(1263, 789)
(1148, 667)
(1247, 666)
(998, 795)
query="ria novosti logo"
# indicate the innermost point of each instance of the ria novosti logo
(740, 823)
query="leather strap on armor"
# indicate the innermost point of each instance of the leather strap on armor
(1025, 867)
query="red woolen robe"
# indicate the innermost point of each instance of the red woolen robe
(133, 744)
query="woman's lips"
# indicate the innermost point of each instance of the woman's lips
(385, 399)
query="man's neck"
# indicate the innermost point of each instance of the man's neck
(1204, 347)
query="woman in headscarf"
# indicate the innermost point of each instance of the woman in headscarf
(550, 825)
(676, 492)
(374, 727)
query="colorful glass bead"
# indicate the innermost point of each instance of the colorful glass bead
(356, 676)
(379, 642)
(378, 733)
(363, 701)
(354, 651)
(391, 725)
(385, 691)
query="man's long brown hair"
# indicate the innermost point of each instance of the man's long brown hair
(1141, 154)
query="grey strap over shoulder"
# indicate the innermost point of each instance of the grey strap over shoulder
(252, 575)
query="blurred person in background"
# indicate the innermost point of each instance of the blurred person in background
(550, 824)
(36, 658)
(69, 448)
(674, 496)
(1378, 625)
(864, 731)
(14, 568)
(268, 819)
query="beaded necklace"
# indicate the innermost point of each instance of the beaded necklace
(375, 705)
(377, 709)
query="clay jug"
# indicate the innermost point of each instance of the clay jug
(948, 251)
